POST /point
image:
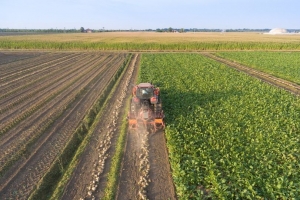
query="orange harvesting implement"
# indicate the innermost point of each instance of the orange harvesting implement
(146, 108)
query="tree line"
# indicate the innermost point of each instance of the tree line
(170, 29)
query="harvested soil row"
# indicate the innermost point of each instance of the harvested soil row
(41, 84)
(114, 130)
(89, 179)
(8, 57)
(144, 166)
(24, 132)
(105, 144)
(146, 172)
(47, 148)
(278, 82)
(45, 88)
(12, 89)
(24, 77)
(130, 174)
(32, 106)
(17, 69)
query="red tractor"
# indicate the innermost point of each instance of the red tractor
(146, 108)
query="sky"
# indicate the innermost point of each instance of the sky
(149, 14)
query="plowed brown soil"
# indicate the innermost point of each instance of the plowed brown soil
(157, 182)
(39, 133)
(89, 178)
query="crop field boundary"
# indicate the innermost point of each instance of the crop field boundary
(273, 80)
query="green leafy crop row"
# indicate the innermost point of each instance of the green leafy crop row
(229, 135)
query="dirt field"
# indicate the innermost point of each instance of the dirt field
(43, 99)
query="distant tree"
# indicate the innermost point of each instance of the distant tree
(81, 29)
(182, 30)
(170, 29)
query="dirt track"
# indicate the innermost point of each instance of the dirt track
(146, 170)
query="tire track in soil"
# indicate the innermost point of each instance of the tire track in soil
(35, 166)
(88, 179)
(135, 178)
(146, 170)
(161, 185)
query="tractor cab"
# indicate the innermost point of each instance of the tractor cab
(144, 91)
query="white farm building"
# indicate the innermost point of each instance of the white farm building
(275, 31)
(278, 31)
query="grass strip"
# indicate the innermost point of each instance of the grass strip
(61, 169)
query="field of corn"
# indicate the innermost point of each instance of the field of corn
(152, 41)
(229, 136)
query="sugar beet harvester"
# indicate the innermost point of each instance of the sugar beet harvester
(146, 108)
